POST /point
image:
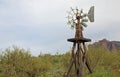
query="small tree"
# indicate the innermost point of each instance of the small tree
(19, 63)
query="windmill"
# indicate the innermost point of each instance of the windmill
(79, 57)
(73, 15)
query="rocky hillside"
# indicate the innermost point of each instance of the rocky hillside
(110, 45)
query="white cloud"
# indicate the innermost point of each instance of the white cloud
(41, 24)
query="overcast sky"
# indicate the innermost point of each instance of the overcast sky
(40, 25)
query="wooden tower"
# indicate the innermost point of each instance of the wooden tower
(79, 56)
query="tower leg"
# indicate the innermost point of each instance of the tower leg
(68, 72)
(72, 59)
(80, 62)
(87, 62)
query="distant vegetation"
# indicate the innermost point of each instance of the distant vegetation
(18, 62)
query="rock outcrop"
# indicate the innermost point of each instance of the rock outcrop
(110, 45)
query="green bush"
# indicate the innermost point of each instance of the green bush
(17, 62)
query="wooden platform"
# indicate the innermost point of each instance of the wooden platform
(79, 40)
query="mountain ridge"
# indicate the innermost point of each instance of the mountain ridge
(110, 45)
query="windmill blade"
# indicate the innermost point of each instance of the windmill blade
(73, 25)
(69, 12)
(91, 14)
(84, 20)
(69, 17)
(84, 15)
(84, 24)
(81, 11)
(73, 11)
(68, 22)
